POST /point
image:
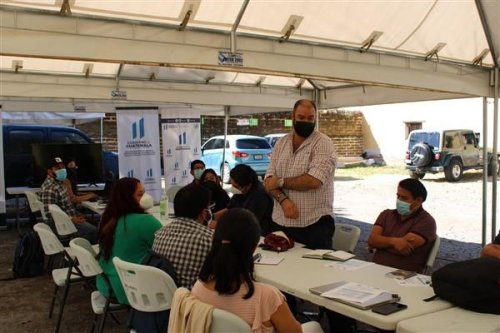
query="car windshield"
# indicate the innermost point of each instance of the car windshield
(252, 144)
(430, 138)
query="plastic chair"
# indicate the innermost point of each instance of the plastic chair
(90, 267)
(35, 204)
(148, 288)
(346, 237)
(432, 255)
(62, 277)
(64, 226)
(172, 191)
(224, 321)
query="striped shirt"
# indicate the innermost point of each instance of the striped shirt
(54, 192)
(316, 156)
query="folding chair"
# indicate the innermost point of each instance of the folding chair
(36, 205)
(101, 305)
(346, 237)
(432, 256)
(172, 191)
(64, 226)
(224, 321)
(62, 277)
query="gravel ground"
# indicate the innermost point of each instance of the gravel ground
(457, 207)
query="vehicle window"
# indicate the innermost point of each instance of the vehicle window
(218, 143)
(67, 137)
(20, 141)
(252, 144)
(209, 144)
(430, 138)
(470, 138)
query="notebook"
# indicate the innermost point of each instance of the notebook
(329, 254)
(381, 298)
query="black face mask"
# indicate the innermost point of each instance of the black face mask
(303, 128)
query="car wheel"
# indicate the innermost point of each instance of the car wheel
(454, 171)
(226, 169)
(416, 175)
(490, 167)
(421, 154)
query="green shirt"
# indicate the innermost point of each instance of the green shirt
(134, 235)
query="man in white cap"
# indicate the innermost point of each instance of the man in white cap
(53, 191)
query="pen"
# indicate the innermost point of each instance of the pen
(257, 257)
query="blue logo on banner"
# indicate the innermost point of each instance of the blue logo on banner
(149, 173)
(141, 129)
(169, 151)
(176, 166)
(174, 181)
(182, 138)
(184, 174)
(130, 173)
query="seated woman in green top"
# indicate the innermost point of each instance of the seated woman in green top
(126, 231)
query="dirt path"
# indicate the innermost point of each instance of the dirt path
(457, 207)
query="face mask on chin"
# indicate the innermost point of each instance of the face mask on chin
(403, 207)
(146, 201)
(61, 174)
(208, 219)
(303, 128)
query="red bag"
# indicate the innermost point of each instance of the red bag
(277, 241)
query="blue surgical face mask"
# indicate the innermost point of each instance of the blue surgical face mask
(61, 174)
(403, 207)
(198, 173)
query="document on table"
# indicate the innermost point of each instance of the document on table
(416, 281)
(349, 265)
(267, 260)
(354, 292)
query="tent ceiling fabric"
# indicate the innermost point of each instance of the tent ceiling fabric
(136, 46)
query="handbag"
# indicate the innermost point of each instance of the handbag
(277, 241)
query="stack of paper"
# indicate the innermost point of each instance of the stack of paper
(329, 254)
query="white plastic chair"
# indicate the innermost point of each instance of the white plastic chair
(148, 288)
(172, 191)
(62, 277)
(346, 237)
(224, 321)
(90, 267)
(35, 204)
(432, 255)
(62, 221)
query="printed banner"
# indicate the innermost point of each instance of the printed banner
(181, 135)
(139, 147)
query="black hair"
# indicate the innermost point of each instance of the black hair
(243, 175)
(302, 102)
(193, 163)
(230, 259)
(191, 200)
(207, 171)
(415, 187)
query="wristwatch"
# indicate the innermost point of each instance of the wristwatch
(281, 182)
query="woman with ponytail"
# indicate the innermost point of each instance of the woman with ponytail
(126, 231)
(227, 277)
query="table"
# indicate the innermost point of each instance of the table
(451, 320)
(295, 275)
(98, 208)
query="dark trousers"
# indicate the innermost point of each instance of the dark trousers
(315, 236)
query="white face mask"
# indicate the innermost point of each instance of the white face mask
(146, 202)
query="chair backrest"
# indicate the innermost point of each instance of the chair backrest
(35, 204)
(346, 237)
(50, 243)
(224, 321)
(432, 255)
(88, 264)
(172, 191)
(148, 288)
(62, 221)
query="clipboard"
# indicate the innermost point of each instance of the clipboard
(383, 298)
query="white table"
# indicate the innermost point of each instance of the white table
(451, 320)
(296, 275)
(98, 208)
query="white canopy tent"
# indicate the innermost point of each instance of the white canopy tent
(242, 56)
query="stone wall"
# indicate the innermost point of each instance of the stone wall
(345, 128)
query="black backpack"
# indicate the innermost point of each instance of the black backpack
(472, 284)
(29, 257)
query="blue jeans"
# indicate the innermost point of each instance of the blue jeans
(87, 231)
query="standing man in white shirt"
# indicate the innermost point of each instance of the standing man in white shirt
(300, 179)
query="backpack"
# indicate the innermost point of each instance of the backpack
(471, 284)
(29, 256)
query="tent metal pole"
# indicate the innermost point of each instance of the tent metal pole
(102, 129)
(485, 171)
(227, 110)
(3, 210)
(495, 160)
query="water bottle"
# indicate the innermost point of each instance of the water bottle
(163, 206)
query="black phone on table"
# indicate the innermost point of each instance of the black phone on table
(387, 309)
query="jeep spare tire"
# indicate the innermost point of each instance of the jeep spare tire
(421, 154)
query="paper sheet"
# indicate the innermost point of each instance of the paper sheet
(349, 265)
(353, 292)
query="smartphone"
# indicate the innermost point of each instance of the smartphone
(387, 309)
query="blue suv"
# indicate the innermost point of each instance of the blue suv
(253, 151)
